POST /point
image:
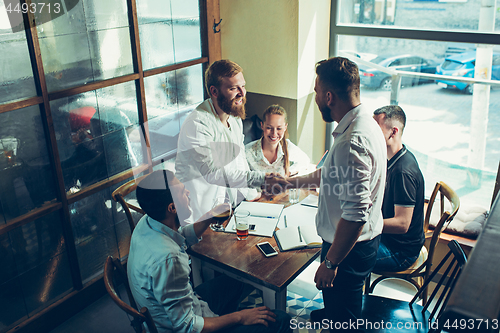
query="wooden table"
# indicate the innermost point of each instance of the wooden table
(243, 261)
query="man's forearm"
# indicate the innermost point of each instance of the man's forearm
(217, 323)
(346, 236)
(401, 221)
(311, 180)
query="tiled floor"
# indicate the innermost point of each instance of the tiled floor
(302, 298)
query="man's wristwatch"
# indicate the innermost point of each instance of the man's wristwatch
(329, 264)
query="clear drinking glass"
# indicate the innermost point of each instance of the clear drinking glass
(222, 217)
(241, 219)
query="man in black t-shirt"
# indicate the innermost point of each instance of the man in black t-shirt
(403, 206)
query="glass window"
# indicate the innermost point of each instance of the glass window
(97, 135)
(35, 268)
(93, 44)
(178, 24)
(433, 15)
(26, 177)
(169, 96)
(94, 232)
(16, 81)
(440, 128)
(156, 52)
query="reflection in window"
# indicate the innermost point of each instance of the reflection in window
(35, 268)
(439, 128)
(26, 176)
(16, 81)
(92, 43)
(97, 134)
(169, 97)
(94, 232)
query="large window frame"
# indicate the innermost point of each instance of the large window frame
(389, 31)
(210, 50)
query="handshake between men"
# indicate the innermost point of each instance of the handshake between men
(275, 184)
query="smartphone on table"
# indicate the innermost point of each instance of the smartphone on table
(267, 249)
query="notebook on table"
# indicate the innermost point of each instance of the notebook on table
(299, 237)
(264, 217)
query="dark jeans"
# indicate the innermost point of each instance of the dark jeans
(223, 295)
(389, 261)
(343, 301)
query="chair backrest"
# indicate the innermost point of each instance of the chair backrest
(119, 196)
(447, 280)
(113, 270)
(446, 217)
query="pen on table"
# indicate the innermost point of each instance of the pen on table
(300, 235)
(286, 226)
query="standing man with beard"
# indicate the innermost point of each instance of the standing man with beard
(211, 158)
(352, 180)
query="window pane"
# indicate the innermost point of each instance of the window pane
(186, 23)
(107, 14)
(12, 307)
(94, 231)
(26, 176)
(42, 262)
(84, 56)
(185, 9)
(16, 81)
(96, 134)
(440, 129)
(71, 19)
(161, 98)
(166, 94)
(149, 11)
(37, 268)
(189, 87)
(70, 66)
(161, 94)
(187, 39)
(111, 53)
(434, 15)
(156, 52)
(79, 140)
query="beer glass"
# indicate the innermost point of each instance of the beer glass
(241, 219)
(221, 217)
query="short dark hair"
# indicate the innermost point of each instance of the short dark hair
(392, 113)
(219, 69)
(153, 193)
(340, 75)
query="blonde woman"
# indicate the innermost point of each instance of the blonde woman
(274, 152)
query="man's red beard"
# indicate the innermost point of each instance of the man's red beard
(230, 108)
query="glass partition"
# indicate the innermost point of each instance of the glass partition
(458, 15)
(26, 177)
(442, 129)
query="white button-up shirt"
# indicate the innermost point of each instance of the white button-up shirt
(211, 158)
(353, 176)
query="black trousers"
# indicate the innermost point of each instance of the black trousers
(343, 302)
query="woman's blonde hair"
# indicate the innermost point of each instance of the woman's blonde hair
(279, 110)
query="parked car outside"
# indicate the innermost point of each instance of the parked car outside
(373, 78)
(463, 65)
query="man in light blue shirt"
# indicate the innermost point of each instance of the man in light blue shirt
(158, 269)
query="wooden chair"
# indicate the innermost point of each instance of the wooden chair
(418, 273)
(410, 316)
(119, 196)
(114, 269)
